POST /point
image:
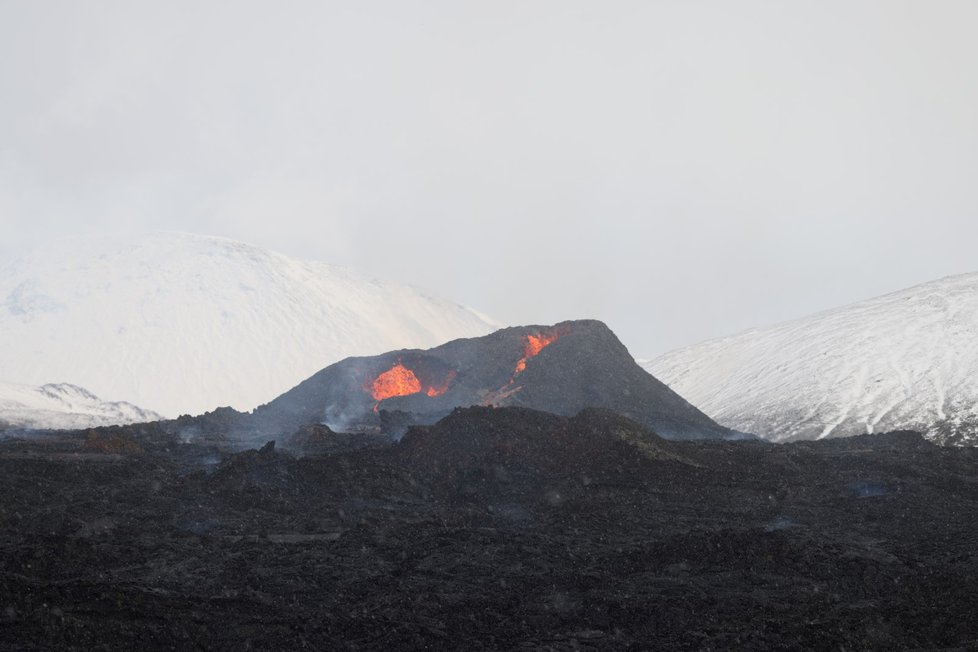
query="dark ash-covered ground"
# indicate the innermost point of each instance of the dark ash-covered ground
(496, 528)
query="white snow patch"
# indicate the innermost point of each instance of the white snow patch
(904, 360)
(183, 323)
(63, 406)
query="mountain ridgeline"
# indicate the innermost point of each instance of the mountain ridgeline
(903, 361)
(179, 323)
(63, 406)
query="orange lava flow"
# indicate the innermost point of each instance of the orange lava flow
(534, 344)
(396, 381)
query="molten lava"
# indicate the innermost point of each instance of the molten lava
(396, 381)
(402, 381)
(533, 345)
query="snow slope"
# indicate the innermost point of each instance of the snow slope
(907, 360)
(63, 406)
(183, 323)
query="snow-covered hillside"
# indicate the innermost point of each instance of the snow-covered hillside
(181, 323)
(904, 360)
(63, 406)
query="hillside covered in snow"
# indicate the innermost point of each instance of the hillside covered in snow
(907, 360)
(63, 407)
(182, 323)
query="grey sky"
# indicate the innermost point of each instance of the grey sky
(681, 170)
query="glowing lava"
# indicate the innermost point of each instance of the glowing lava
(396, 381)
(532, 346)
(401, 381)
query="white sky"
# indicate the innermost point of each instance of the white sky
(681, 170)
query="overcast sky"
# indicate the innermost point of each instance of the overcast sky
(681, 170)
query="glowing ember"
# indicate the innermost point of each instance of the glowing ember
(396, 381)
(401, 381)
(534, 344)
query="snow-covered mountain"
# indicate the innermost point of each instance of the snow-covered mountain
(183, 323)
(63, 406)
(907, 360)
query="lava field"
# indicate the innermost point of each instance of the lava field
(494, 528)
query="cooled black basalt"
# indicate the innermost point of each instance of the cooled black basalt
(496, 528)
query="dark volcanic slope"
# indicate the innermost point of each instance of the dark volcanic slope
(582, 364)
(493, 529)
(527, 453)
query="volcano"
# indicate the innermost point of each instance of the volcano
(561, 369)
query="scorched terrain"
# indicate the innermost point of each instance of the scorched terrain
(501, 528)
